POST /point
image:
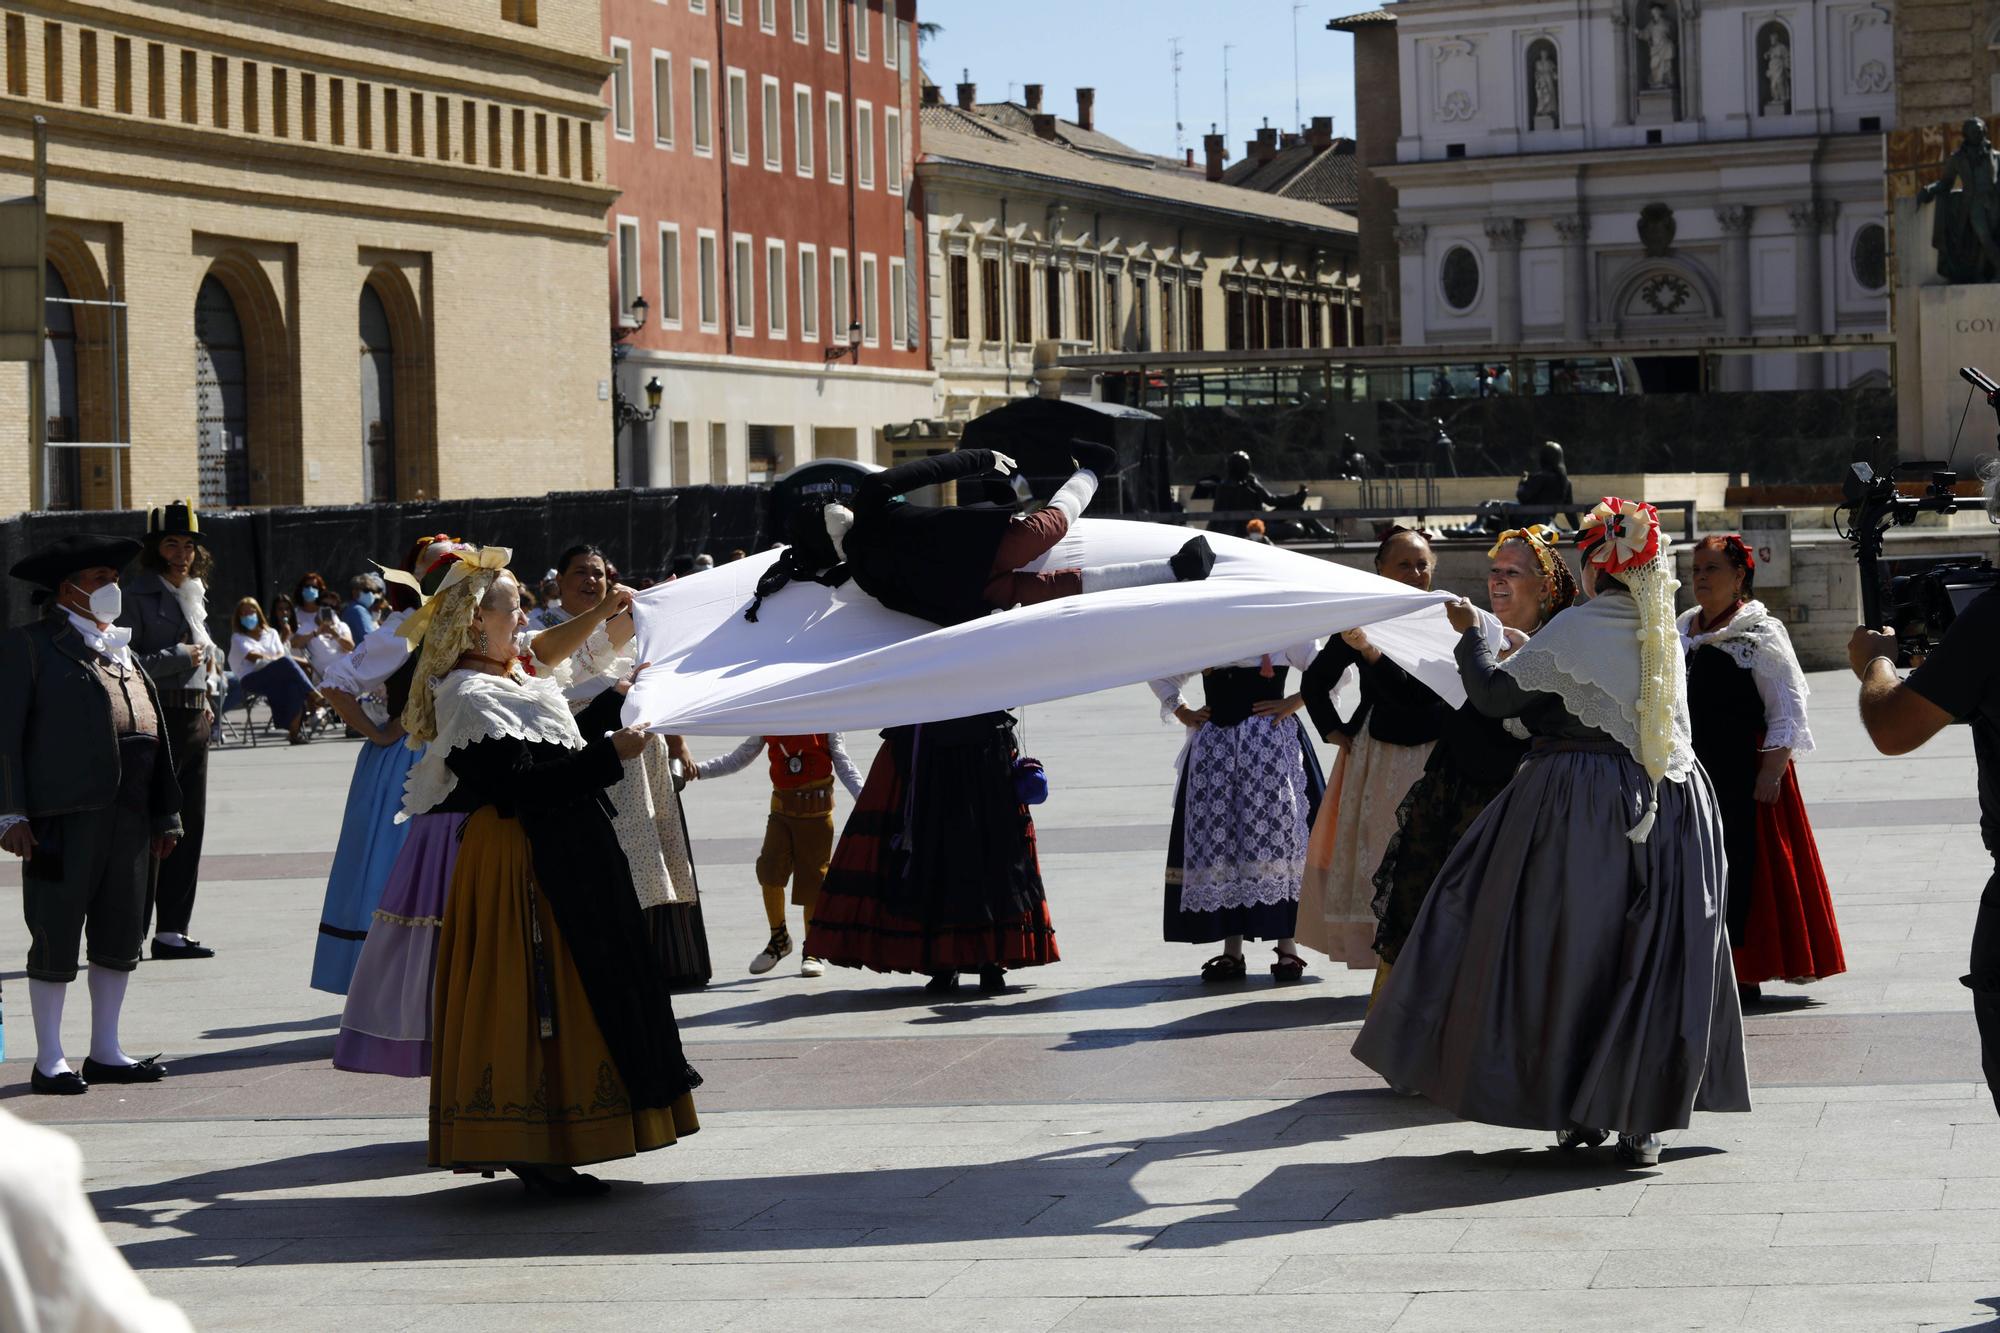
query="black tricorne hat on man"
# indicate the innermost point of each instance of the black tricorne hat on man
(177, 519)
(50, 566)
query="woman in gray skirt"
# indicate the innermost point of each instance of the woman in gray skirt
(1570, 970)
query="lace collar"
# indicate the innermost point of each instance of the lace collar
(474, 706)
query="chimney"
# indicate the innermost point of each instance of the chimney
(967, 94)
(1045, 125)
(1086, 108)
(933, 95)
(1189, 164)
(1320, 134)
(1288, 140)
(1211, 147)
(1033, 93)
(1265, 146)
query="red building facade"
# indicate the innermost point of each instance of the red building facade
(769, 224)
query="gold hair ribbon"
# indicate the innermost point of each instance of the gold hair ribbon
(485, 560)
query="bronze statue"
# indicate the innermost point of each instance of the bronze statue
(1965, 230)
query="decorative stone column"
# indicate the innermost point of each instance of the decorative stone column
(1503, 244)
(1733, 372)
(1575, 233)
(1621, 33)
(1810, 220)
(1411, 239)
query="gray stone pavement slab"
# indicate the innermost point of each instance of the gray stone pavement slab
(1110, 1145)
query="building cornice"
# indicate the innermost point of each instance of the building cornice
(662, 359)
(1657, 159)
(935, 168)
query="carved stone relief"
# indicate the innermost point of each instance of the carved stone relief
(1454, 80)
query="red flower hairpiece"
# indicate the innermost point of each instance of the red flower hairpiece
(1736, 544)
(1620, 535)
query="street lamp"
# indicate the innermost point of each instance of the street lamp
(629, 413)
(852, 347)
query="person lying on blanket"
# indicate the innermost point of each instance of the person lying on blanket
(951, 564)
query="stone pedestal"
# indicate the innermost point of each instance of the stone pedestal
(1954, 326)
(1656, 106)
(1542, 123)
(1777, 108)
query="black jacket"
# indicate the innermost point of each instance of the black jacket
(923, 560)
(159, 629)
(1396, 707)
(58, 750)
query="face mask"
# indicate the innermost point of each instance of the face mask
(309, 595)
(248, 622)
(105, 603)
(367, 599)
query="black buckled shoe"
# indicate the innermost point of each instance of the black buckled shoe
(148, 1070)
(192, 949)
(69, 1083)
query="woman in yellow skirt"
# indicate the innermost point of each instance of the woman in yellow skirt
(554, 1043)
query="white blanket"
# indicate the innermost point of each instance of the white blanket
(820, 659)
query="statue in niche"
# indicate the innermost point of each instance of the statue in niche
(1659, 37)
(1965, 229)
(1545, 87)
(1777, 75)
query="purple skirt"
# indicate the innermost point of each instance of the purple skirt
(386, 1028)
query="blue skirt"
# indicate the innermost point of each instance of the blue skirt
(370, 837)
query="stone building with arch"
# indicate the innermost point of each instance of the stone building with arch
(311, 253)
(1645, 168)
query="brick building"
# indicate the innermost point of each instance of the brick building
(768, 223)
(1947, 61)
(356, 249)
(1378, 117)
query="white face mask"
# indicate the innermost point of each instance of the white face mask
(105, 603)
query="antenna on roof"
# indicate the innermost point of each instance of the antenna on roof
(1298, 121)
(1174, 45)
(1225, 92)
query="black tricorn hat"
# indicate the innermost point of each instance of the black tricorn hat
(48, 567)
(177, 519)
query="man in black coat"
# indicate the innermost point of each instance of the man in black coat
(88, 799)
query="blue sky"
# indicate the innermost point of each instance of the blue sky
(1120, 48)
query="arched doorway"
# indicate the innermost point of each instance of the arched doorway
(222, 399)
(378, 400)
(60, 397)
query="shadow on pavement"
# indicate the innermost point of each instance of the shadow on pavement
(327, 1024)
(1095, 1188)
(1990, 1302)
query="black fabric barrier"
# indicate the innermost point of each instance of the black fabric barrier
(648, 534)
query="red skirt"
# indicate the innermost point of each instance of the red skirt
(854, 925)
(1790, 934)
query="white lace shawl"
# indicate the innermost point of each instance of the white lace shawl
(473, 706)
(192, 594)
(1589, 656)
(1758, 642)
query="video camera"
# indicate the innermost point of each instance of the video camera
(1920, 606)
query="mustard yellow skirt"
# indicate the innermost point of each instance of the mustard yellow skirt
(508, 1083)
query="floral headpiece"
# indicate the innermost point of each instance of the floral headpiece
(466, 563)
(1620, 535)
(1744, 555)
(1558, 587)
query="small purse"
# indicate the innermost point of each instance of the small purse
(1031, 781)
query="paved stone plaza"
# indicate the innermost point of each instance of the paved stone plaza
(1110, 1146)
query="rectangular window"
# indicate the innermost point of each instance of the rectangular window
(663, 99)
(392, 122)
(1052, 301)
(733, 10)
(86, 61)
(1197, 337)
(562, 145)
(802, 127)
(958, 281)
(621, 88)
(836, 139)
(774, 288)
(697, 6)
(809, 293)
(156, 79)
(468, 131)
(1114, 333)
(670, 275)
(989, 299)
(629, 286)
(541, 144)
(364, 111)
(443, 136)
(281, 102)
(1024, 303)
(309, 108)
(892, 149)
(1086, 306)
(864, 145)
(336, 111)
(494, 158)
(774, 125)
(17, 56)
(121, 75)
(891, 41)
(702, 107)
(767, 15)
(1167, 324)
(1142, 312)
(52, 64)
(801, 22)
(860, 29)
(705, 280)
(841, 294)
(899, 296)
(253, 118)
(190, 79)
(520, 128)
(871, 301)
(518, 11)
(742, 284)
(830, 20)
(739, 116)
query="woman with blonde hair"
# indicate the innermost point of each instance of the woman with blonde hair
(264, 666)
(1570, 969)
(554, 1044)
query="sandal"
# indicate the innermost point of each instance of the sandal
(1224, 967)
(1289, 967)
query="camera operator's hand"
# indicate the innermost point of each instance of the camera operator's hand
(1865, 645)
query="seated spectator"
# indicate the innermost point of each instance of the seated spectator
(310, 595)
(328, 644)
(364, 592)
(262, 665)
(703, 561)
(1253, 530)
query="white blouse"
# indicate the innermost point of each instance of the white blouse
(373, 661)
(1758, 642)
(265, 641)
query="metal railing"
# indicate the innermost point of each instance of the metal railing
(1514, 514)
